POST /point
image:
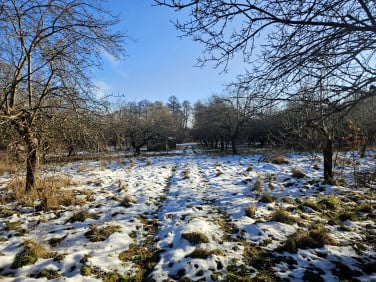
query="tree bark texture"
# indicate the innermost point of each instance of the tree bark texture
(328, 159)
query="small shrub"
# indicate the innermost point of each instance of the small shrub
(195, 237)
(250, 211)
(30, 253)
(267, 198)
(282, 216)
(96, 234)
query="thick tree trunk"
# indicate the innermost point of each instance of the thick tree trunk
(32, 161)
(328, 160)
(233, 146)
(222, 145)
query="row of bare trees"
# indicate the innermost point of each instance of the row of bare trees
(146, 123)
(230, 120)
(319, 54)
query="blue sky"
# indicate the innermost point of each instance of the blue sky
(158, 63)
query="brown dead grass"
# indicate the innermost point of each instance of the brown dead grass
(30, 253)
(50, 193)
(7, 165)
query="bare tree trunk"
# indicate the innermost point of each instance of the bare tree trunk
(233, 145)
(328, 160)
(32, 161)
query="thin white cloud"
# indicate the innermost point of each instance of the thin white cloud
(102, 89)
(111, 58)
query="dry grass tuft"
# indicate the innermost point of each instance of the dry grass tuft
(122, 186)
(82, 216)
(127, 201)
(97, 234)
(186, 174)
(267, 198)
(202, 253)
(283, 216)
(276, 159)
(250, 211)
(316, 237)
(297, 173)
(30, 253)
(47, 195)
(257, 186)
(7, 165)
(195, 237)
(48, 273)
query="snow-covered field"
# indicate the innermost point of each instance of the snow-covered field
(195, 217)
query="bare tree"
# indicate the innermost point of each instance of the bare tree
(328, 46)
(147, 122)
(49, 48)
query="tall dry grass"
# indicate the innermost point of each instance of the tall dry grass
(50, 193)
(7, 164)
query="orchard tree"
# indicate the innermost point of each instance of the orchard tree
(48, 48)
(146, 122)
(328, 46)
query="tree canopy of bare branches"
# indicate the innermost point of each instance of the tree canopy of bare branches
(327, 47)
(47, 49)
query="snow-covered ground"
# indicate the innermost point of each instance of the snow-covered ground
(183, 218)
